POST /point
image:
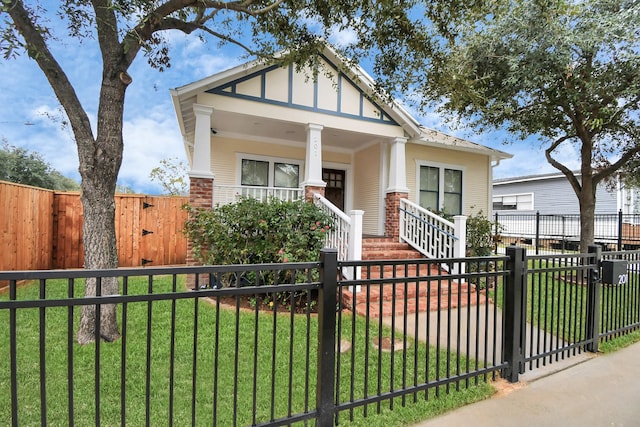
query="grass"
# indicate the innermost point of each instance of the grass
(222, 370)
(556, 304)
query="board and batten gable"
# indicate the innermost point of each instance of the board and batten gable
(552, 194)
(476, 174)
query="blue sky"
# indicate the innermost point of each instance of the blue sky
(30, 115)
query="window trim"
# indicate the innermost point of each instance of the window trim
(441, 167)
(516, 195)
(272, 161)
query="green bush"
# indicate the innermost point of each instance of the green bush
(480, 233)
(255, 232)
(480, 242)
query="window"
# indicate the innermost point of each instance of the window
(440, 189)
(286, 175)
(267, 173)
(255, 172)
(513, 202)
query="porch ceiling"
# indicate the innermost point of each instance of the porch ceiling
(261, 128)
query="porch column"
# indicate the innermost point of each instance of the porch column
(397, 188)
(201, 160)
(200, 175)
(313, 182)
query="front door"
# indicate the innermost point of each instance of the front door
(334, 191)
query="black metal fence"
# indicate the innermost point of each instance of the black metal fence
(562, 232)
(283, 344)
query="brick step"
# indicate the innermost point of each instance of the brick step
(372, 309)
(403, 270)
(384, 254)
(391, 245)
(409, 303)
(409, 290)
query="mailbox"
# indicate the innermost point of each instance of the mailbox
(614, 272)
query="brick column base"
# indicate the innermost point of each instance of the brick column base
(310, 189)
(392, 214)
(201, 197)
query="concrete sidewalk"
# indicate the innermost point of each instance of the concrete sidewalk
(601, 391)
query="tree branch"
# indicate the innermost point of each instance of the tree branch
(107, 28)
(611, 169)
(562, 168)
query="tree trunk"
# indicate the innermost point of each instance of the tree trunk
(100, 162)
(587, 200)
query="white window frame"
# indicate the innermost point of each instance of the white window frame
(518, 204)
(441, 167)
(272, 161)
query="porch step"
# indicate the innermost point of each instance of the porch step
(375, 248)
(386, 299)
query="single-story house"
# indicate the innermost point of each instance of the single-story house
(263, 130)
(551, 194)
(545, 206)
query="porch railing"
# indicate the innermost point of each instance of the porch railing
(346, 233)
(225, 194)
(430, 234)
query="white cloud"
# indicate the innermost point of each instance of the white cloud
(342, 37)
(147, 140)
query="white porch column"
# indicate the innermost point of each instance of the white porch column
(397, 167)
(201, 165)
(313, 159)
(460, 244)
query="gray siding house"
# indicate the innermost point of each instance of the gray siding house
(551, 194)
(517, 200)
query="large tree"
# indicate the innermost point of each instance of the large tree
(565, 71)
(395, 31)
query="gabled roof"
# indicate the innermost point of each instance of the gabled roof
(185, 96)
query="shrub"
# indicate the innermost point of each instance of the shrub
(255, 232)
(480, 242)
(480, 235)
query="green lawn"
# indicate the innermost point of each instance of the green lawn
(217, 334)
(556, 303)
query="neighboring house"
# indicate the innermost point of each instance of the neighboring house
(551, 194)
(517, 201)
(261, 130)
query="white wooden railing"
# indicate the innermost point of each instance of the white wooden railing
(225, 194)
(346, 233)
(430, 234)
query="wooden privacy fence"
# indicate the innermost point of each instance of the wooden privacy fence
(42, 229)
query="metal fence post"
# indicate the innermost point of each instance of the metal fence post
(620, 230)
(592, 334)
(513, 313)
(327, 303)
(537, 232)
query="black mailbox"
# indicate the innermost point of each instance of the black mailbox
(614, 272)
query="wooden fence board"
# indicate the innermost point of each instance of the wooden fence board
(26, 227)
(42, 229)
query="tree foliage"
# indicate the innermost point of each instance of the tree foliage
(172, 176)
(26, 167)
(562, 70)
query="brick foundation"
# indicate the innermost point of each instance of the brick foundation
(309, 190)
(392, 214)
(200, 196)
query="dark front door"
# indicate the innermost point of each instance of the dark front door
(334, 191)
